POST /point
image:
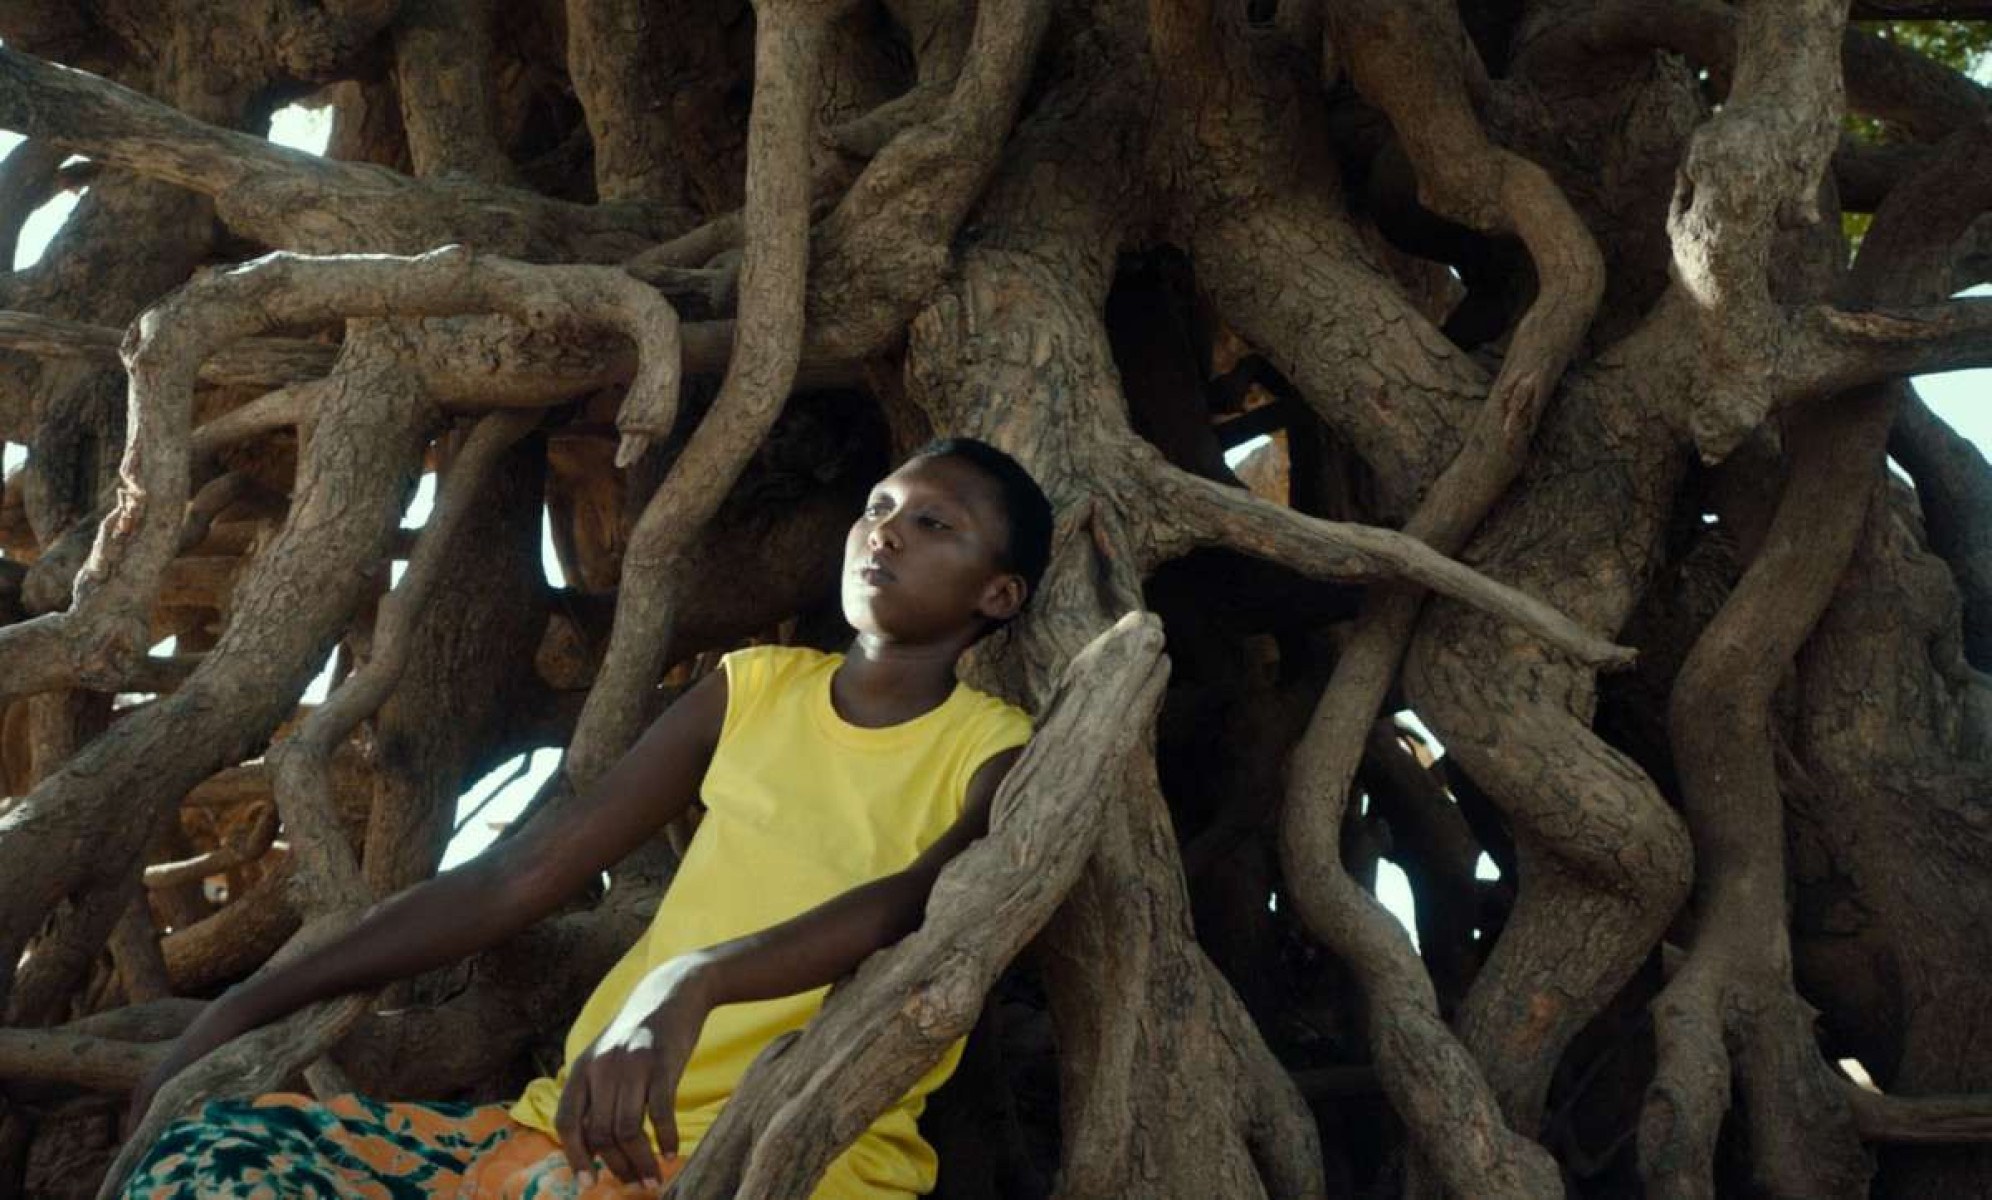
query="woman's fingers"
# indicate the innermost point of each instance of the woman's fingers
(664, 1079)
(567, 1122)
(601, 1113)
(662, 1104)
(598, 1128)
(631, 1157)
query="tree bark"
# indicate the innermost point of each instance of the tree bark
(1542, 308)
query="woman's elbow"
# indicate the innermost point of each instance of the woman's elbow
(508, 896)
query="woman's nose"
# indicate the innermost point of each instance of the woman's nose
(885, 533)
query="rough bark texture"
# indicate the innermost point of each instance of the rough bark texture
(1546, 307)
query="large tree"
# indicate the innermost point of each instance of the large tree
(1550, 313)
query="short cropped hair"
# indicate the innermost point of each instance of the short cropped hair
(1025, 507)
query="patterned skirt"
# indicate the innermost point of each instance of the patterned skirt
(286, 1147)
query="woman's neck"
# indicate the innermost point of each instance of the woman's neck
(882, 683)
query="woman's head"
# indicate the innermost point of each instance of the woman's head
(952, 544)
(1026, 510)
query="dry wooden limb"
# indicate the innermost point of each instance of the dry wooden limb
(1324, 766)
(806, 1099)
(1603, 860)
(1438, 850)
(692, 249)
(136, 953)
(105, 629)
(471, 655)
(215, 497)
(1602, 854)
(1732, 195)
(475, 1034)
(288, 198)
(484, 363)
(61, 958)
(251, 362)
(1432, 1082)
(1885, 817)
(287, 608)
(98, 268)
(1884, 80)
(315, 40)
(1732, 1007)
(1864, 172)
(1216, 515)
(1283, 264)
(1893, 83)
(189, 580)
(76, 1060)
(1920, 1120)
(285, 408)
(881, 252)
(611, 46)
(788, 43)
(221, 859)
(232, 787)
(230, 944)
(197, 581)
(148, 1021)
(1971, 266)
(442, 51)
(328, 878)
(107, 1052)
(256, 1062)
(1423, 84)
(1929, 10)
(1416, 63)
(1014, 351)
(1831, 349)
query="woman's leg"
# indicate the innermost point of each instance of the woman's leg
(529, 1165)
(284, 1145)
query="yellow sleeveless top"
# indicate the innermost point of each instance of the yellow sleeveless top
(801, 806)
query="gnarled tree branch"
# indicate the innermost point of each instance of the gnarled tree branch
(289, 198)
(1732, 1006)
(1734, 192)
(1216, 515)
(768, 346)
(105, 630)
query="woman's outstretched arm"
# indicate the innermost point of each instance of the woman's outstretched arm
(488, 899)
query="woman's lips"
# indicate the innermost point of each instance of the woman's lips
(873, 573)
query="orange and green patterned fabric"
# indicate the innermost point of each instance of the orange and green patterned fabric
(290, 1147)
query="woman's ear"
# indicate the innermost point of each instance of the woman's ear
(1004, 597)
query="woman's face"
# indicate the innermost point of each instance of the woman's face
(923, 561)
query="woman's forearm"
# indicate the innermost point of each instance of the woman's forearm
(430, 925)
(823, 945)
(818, 947)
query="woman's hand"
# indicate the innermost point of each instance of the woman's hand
(632, 1071)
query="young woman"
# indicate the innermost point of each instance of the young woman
(836, 788)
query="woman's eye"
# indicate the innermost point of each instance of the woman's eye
(877, 508)
(933, 523)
